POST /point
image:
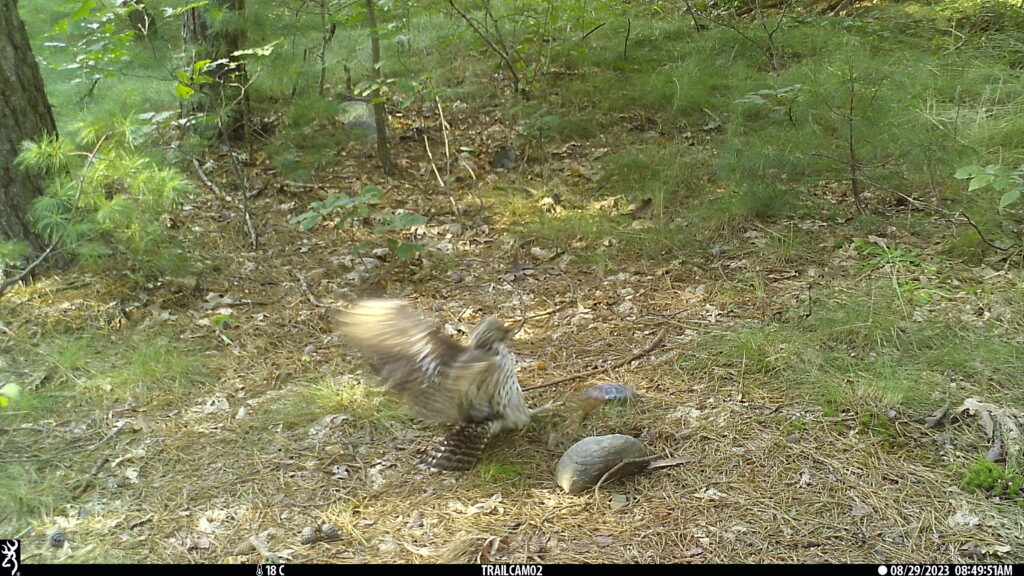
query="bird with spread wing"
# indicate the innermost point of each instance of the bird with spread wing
(472, 388)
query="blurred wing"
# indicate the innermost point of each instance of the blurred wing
(437, 377)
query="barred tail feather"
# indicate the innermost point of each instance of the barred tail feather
(461, 448)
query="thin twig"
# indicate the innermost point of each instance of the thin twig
(640, 464)
(448, 161)
(243, 204)
(592, 30)
(505, 58)
(28, 269)
(951, 216)
(308, 292)
(554, 310)
(108, 437)
(253, 238)
(650, 348)
(84, 485)
(206, 180)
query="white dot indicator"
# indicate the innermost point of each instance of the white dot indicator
(882, 570)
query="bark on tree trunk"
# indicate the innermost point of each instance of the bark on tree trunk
(25, 114)
(226, 94)
(379, 113)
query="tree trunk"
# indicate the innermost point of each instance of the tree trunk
(25, 114)
(379, 113)
(226, 95)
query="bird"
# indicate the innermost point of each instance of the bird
(473, 389)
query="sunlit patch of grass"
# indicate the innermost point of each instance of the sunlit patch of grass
(305, 404)
(69, 356)
(158, 367)
(495, 472)
(142, 364)
(864, 350)
(571, 227)
(94, 369)
(26, 492)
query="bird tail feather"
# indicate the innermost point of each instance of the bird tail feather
(461, 448)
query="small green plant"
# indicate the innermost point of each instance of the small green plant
(781, 99)
(223, 321)
(999, 178)
(192, 79)
(991, 479)
(351, 208)
(883, 255)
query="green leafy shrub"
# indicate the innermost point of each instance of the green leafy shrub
(349, 209)
(999, 178)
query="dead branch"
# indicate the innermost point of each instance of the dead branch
(650, 348)
(447, 153)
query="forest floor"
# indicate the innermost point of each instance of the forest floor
(833, 385)
(281, 431)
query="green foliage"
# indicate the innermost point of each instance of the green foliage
(11, 251)
(992, 16)
(193, 78)
(100, 43)
(999, 178)
(348, 210)
(781, 99)
(309, 139)
(991, 479)
(222, 321)
(865, 350)
(26, 491)
(90, 369)
(107, 201)
(882, 255)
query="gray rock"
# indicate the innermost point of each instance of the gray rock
(358, 117)
(587, 461)
(504, 158)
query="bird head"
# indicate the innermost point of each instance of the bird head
(489, 332)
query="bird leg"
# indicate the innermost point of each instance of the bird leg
(542, 410)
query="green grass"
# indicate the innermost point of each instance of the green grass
(92, 369)
(27, 491)
(73, 376)
(371, 409)
(495, 472)
(864, 350)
